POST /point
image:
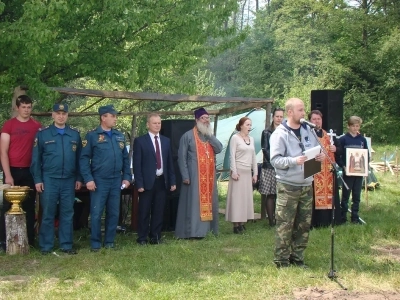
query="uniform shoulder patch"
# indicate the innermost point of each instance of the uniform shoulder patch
(35, 142)
(84, 143)
(74, 128)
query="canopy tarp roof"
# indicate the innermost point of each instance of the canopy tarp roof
(226, 128)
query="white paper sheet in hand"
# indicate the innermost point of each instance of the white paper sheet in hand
(313, 152)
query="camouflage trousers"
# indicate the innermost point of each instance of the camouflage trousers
(293, 221)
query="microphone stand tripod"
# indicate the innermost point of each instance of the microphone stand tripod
(335, 174)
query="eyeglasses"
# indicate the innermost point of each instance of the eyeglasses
(205, 118)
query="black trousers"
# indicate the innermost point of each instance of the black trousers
(151, 211)
(355, 186)
(22, 177)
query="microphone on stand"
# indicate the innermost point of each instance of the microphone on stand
(304, 121)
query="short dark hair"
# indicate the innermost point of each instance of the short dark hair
(314, 112)
(23, 99)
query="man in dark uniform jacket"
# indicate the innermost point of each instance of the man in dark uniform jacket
(105, 167)
(55, 171)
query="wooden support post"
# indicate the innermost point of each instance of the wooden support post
(268, 115)
(215, 125)
(133, 135)
(16, 236)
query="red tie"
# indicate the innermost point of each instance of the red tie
(158, 155)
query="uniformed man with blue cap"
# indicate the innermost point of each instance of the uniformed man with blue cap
(105, 168)
(55, 171)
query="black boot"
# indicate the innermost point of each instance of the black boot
(263, 206)
(271, 210)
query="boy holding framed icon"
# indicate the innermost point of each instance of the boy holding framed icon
(355, 160)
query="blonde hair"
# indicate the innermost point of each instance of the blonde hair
(354, 120)
(289, 105)
(151, 115)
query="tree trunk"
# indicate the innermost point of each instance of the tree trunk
(16, 236)
(242, 19)
(365, 6)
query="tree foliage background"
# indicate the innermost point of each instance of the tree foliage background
(246, 48)
(295, 46)
(126, 45)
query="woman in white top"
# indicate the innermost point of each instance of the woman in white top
(239, 203)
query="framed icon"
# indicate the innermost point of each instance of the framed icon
(356, 162)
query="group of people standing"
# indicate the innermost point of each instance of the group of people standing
(244, 174)
(55, 162)
(155, 175)
(293, 203)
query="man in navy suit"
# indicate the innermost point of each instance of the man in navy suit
(154, 175)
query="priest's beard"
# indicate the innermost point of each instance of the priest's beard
(204, 129)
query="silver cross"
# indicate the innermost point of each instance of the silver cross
(331, 135)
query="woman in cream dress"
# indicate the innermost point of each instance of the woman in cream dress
(239, 203)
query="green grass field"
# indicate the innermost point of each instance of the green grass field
(224, 267)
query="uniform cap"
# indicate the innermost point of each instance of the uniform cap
(60, 107)
(107, 109)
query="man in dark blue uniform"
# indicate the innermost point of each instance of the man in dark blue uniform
(104, 164)
(55, 171)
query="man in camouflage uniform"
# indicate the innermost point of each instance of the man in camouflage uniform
(294, 193)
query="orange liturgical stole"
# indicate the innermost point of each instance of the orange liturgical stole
(323, 181)
(206, 171)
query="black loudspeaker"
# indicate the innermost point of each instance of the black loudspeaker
(174, 129)
(330, 104)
